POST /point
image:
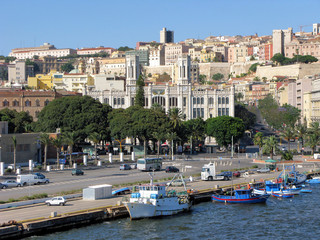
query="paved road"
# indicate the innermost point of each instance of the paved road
(63, 181)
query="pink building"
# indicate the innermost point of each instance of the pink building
(173, 51)
(302, 48)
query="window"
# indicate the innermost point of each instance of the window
(37, 114)
(219, 112)
(194, 100)
(38, 103)
(223, 100)
(28, 103)
(184, 101)
(114, 101)
(15, 103)
(46, 102)
(211, 100)
(5, 103)
(202, 100)
(122, 101)
(219, 100)
(227, 100)
(198, 100)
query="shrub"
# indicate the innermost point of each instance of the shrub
(8, 170)
(286, 156)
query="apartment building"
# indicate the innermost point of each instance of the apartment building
(297, 47)
(157, 56)
(173, 51)
(42, 51)
(237, 53)
(88, 51)
(18, 72)
(113, 66)
(44, 81)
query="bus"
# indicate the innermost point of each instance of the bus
(149, 164)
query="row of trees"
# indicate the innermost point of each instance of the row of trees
(282, 60)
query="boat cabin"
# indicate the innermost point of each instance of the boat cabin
(152, 191)
(242, 193)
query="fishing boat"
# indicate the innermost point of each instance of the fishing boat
(153, 200)
(306, 191)
(278, 187)
(313, 181)
(241, 196)
(282, 195)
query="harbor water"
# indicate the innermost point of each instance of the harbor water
(291, 218)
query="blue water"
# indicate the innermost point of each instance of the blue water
(296, 218)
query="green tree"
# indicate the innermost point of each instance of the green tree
(301, 130)
(313, 137)
(223, 128)
(290, 115)
(217, 76)
(80, 114)
(139, 100)
(67, 67)
(176, 117)
(258, 140)
(57, 143)
(238, 96)
(253, 67)
(195, 130)
(278, 58)
(95, 138)
(70, 138)
(288, 133)
(171, 137)
(45, 140)
(124, 49)
(245, 115)
(17, 121)
(270, 144)
(202, 78)
(14, 142)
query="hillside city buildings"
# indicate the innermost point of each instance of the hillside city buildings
(202, 77)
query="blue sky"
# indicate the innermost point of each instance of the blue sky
(115, 23)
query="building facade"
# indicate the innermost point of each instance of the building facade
(194, 102)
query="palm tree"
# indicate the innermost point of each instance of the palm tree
(159, 136)
(45, 140)
(301, 130)
(95, 138)
(171, 137)
(270, 144)
(258, 140)
(70, 138)
(176, 117)
(313, 141)
(14, 141)
(288, 133)
(57, 142)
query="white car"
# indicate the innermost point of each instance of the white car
(56, 201)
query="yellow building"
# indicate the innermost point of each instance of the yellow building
(307, 108)
(207, 55)
(44, 81)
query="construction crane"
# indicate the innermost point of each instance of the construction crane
(302, 26)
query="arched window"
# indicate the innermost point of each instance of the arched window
(227, 100)
(46, 102)
(38, 103)
(173, 102)
(202, 100)
(159, 100)
(198, 100)
(211, 100)
(27, 103)
(5, 103)
(15, 103)
(223, 100)
(219, 100)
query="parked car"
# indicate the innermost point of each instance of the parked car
(227, 175)
(263, 170)
(171, 169)
(40, 175)
(56, 201)
(236, 174)
(3, 186)
(176, 183)
(125, 167)
(11, 183)
(76, 172)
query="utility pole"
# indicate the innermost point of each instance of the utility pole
(231, 146)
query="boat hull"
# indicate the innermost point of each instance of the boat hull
(282, 195)
(258, 199)
(295, 191)
(143, 210)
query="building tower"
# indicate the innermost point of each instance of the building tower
(280, 38)
(316, 29)
(184, 64)
(132, 69)
(166, 36)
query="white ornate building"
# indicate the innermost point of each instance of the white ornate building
(199, 101)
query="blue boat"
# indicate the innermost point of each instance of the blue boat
(313, 181)
(121, 191)
(282, 195)
(306, 191)
(278, 187)
(241, 196)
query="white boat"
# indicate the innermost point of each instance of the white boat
(153, 200)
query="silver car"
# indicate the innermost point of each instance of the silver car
(11, 183)
(263, 170)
